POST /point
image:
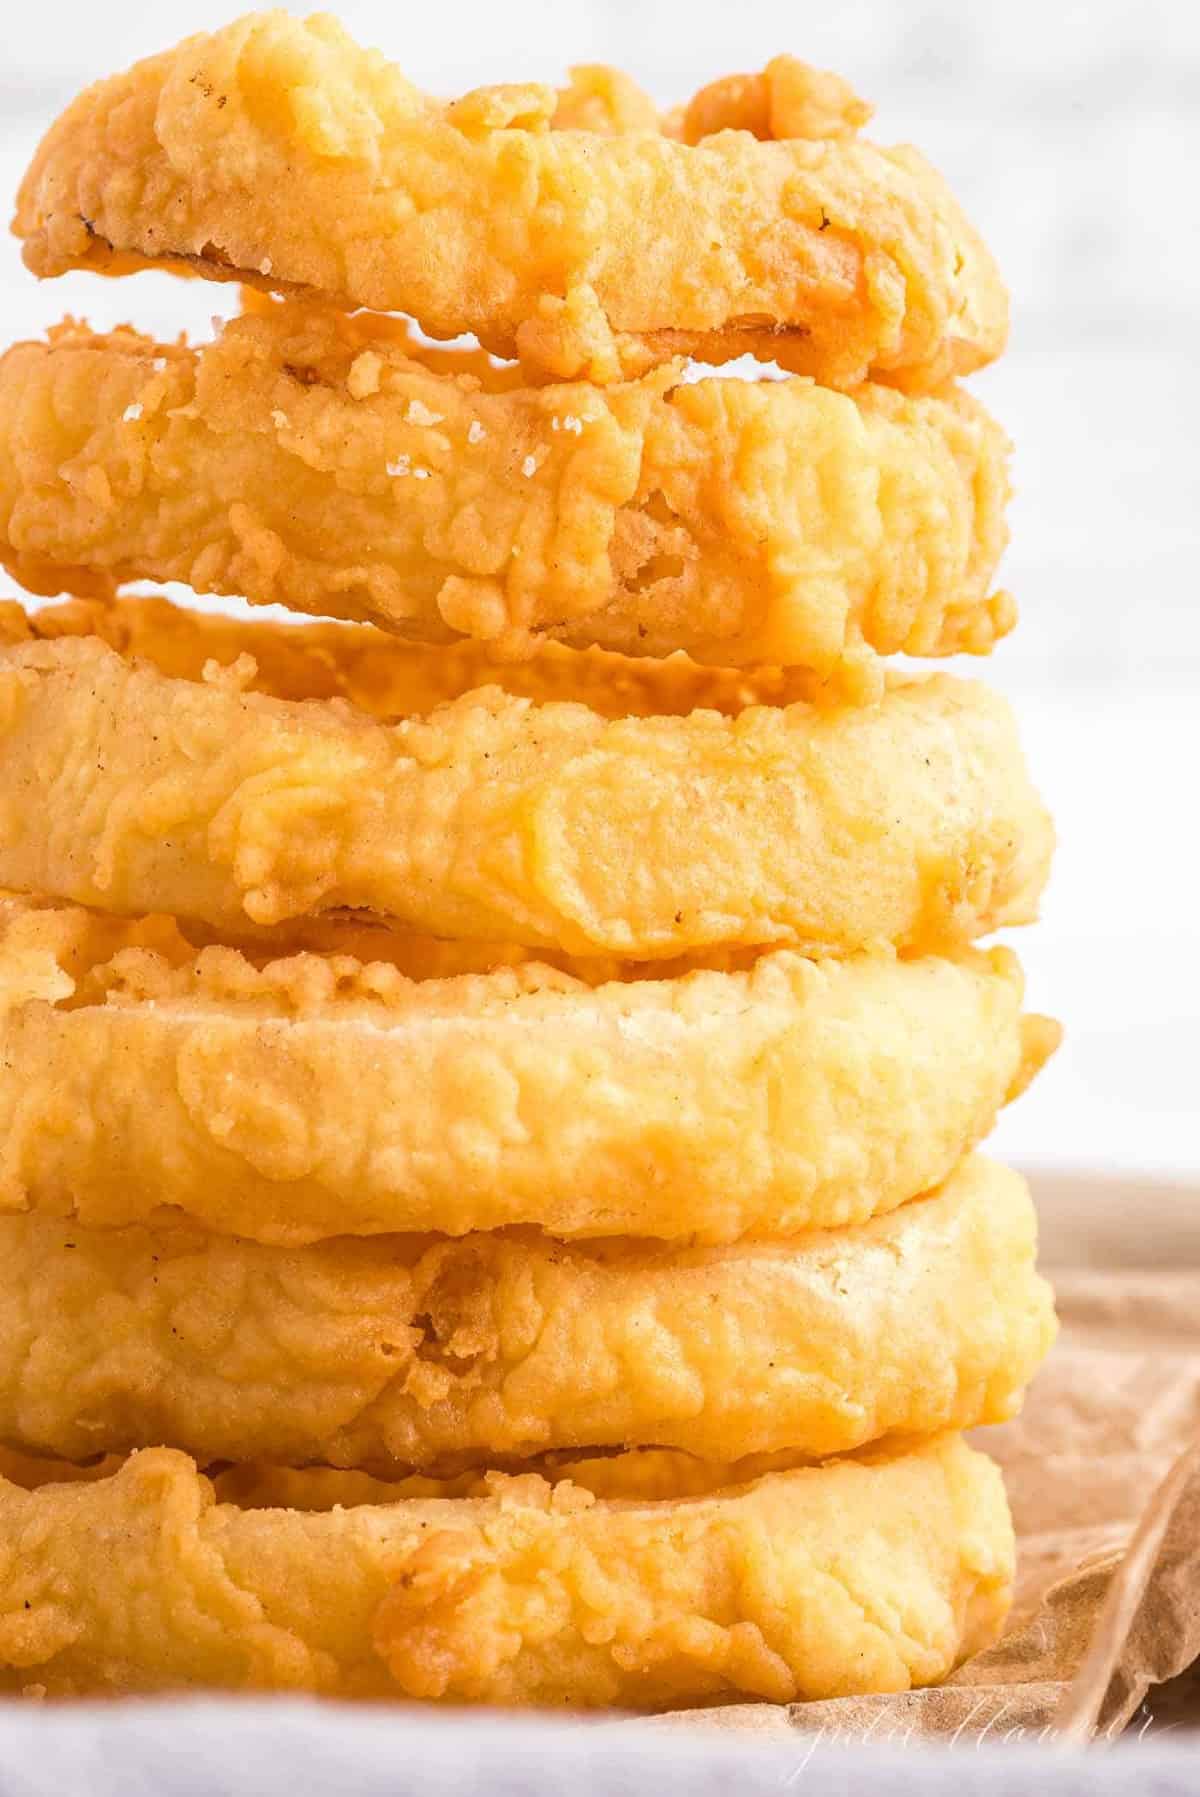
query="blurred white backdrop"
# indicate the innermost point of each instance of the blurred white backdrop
(1072, 134)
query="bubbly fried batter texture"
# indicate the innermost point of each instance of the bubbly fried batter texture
(787, 99)
(416, 1351)
(860, 1575)
(389, 678)
(261, 1485)
(313, 460)
(316, 1096)
(503, 819)
(277, 151)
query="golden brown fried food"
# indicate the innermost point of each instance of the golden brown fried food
(31, 1470)
(258, 1485)
(389, 678)
(599, 98)
(417, 1351)
(641, 1473)
(787, 99)
(277, 151)
(313, 460)
(493, 817)
(861, 1575)
(316, 1097)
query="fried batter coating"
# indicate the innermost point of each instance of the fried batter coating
(417, 1352)
(310, 459)
(389, 678)
(861, 1575)
(500, 819)
(316, 1097)
(788, 99)
(276, 151)
(598, 98)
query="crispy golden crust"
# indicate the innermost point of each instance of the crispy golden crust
(259, 1485)
(318, 1097)
(277, 151)
(870, 1575)
(310, 459)
(787, 99)
(647, 1473)
(412, 1352)
(389, 678)
(911, 821)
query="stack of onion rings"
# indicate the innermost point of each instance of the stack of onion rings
(274, 1101)
(489, 1079)
(328, 463)
(875, 1573)
(910, 821)
(277, 151)
(418, 1351)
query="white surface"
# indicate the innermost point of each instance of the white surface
(277, 1750)
(1115, 955)
(1072, 133)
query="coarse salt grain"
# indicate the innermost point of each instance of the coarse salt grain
(132, 413)
(476, 433)
(421, 414)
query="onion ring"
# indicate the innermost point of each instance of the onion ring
(309, 459)
(277, 151)
(861, 1575)
(318, 1097)
(911, 821)
(418, 1352)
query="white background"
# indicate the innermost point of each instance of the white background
(1072, 133)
